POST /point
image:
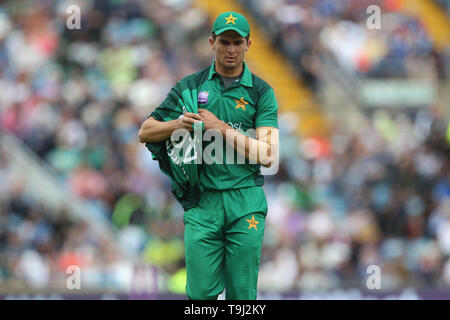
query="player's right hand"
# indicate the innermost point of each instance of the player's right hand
(187, 119)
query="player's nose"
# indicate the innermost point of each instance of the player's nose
(231, 48)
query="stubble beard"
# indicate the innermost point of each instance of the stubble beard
(231, 66)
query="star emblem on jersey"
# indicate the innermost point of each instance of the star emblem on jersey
(252, 223)
(241, 103)
(230, 19)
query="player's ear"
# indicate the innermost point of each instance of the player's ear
(212, 42)
(249, 42)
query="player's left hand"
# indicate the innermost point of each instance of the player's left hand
(210, 120)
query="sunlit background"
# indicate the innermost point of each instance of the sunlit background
(364, 178)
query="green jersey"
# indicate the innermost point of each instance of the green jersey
(248, 103)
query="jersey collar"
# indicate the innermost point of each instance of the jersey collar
(246, 79)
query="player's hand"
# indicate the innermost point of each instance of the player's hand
(210, 120)
(187, 120)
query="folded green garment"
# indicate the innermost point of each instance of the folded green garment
(178, 160)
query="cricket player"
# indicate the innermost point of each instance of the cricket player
(224, 230)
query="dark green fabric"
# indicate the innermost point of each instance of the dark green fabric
(186, 194)
(183, 174)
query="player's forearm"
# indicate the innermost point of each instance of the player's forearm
(156, 131)
(257, 151)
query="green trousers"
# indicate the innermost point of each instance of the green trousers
(223, 239)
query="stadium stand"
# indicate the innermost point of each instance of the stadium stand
(376, 194)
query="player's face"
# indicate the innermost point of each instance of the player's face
(230, 49)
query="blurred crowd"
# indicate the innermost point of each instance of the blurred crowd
(38, 246)
(381, 197)
(78, 97)
(390, 45)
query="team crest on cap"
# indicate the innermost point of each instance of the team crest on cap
(230, 19)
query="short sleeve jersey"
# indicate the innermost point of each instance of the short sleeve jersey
(248, 103)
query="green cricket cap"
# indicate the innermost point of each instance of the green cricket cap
(231, 21)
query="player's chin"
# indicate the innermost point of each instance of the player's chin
(231, 64)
